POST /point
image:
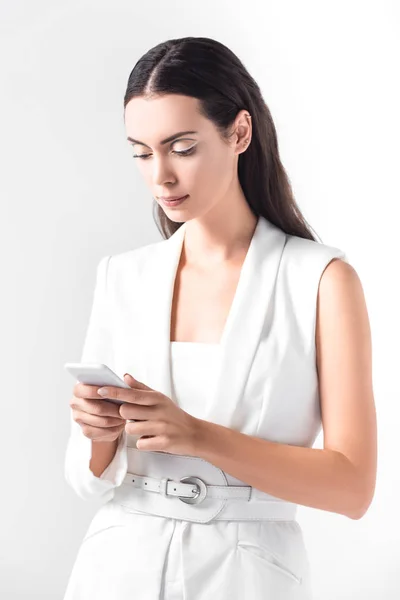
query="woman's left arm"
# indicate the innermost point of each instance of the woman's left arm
(340, 477)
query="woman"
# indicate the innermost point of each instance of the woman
(240, 336)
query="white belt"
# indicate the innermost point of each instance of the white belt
(192, 489)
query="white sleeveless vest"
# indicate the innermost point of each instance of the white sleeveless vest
(267, 384)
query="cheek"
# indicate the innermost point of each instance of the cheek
(193, 174)
(212, 167)
(217, 174)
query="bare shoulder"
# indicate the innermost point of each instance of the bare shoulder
(339, 272)
(341, 303)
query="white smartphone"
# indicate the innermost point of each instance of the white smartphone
(96, 374)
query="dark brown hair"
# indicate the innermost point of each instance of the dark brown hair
(205, 69)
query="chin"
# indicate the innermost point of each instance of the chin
(177, 219)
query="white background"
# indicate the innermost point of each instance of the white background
(70, 194)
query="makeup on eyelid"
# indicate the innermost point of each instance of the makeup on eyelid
(188, 152)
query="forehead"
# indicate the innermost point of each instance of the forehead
(152, 120)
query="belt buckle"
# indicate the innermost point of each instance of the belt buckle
(201, 491)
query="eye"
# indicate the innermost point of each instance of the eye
(180, 153)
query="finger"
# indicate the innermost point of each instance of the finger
(136, 411)
(157, 443)
(84, 418)
(147, 428)
(95, 407)
(84, 390)
(100, 433)
(131, 396)
(139, 385)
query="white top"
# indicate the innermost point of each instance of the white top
(194, 370)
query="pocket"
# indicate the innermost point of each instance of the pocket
(93, 531)
(275, 545)
(269, 559)
(104, 520)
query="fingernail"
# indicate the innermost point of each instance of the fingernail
(104, 391)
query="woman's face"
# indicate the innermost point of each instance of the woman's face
(207, 172)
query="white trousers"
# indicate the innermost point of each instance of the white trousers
(133, 556)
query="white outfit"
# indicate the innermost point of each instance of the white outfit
(261, 380)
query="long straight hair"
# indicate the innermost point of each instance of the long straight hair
(206, 69)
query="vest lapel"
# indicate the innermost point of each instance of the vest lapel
(248, 313)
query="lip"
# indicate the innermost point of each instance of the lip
(173, 200)
(170, 197)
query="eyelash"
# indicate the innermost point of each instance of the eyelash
(181, 154)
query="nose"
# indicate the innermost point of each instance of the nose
(162, 172)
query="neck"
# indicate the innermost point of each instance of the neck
(212, 241)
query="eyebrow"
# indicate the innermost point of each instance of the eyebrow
(168, 139)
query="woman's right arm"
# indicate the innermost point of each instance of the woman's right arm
(102, 455)
(94, 469)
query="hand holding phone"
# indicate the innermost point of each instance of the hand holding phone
(99, 417)
(96, 374)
